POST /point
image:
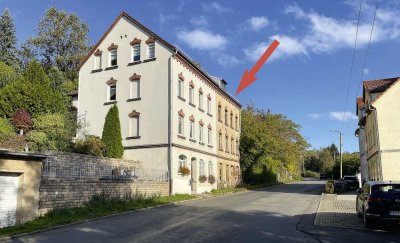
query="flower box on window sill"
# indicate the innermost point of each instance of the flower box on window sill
(201, 143)
(97, 70)
(181, 98)
(192, 140)
(180, 136)
(191, 104)
(184, 171)
(209, 114)
(133, 99)
(210, 146)
(110, 102)
(134, 63)
(201, 109)
(133, 137)
(150, 59)
(111, 68)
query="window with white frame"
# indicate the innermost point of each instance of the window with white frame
(200, 100)
(135, 89)
(181, 125)
(237, 147)
(112, 92)
(191, 129)
(209, 136)
(219, 113)
(226, 144)
(202, 166)
(226, 116)
(220, 141)
(97, 62)
(232, 146)
(180, 88)
(201, 133)
(151, 51)
(182, 161)
(209, 106)
(113, 57)
(236, 122)
(210, 169)
(134, 126)
(231, 121)
(136, 53)
(191, 100)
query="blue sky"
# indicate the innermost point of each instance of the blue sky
(305, 79)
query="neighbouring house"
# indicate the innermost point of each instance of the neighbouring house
(379, 127)
(167, 106)
(362, 143)
(20, 175)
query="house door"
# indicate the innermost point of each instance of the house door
(194, 175)
(8, 199)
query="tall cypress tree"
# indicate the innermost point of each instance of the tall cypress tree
(8, 40)
(111, 137)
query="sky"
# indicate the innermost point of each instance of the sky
(307, 78)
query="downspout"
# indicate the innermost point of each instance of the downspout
(171, 62)
(370, 107)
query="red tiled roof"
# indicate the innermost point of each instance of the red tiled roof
(360, 102)
(379, 85)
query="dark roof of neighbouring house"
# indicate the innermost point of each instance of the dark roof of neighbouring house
(161, 40)
(360, 102)
(378, 85)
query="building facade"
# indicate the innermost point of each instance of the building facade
(362, 143)
(166, 103)
(380, 122)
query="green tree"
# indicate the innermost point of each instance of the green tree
(8, 40)
(61, 40)
(7, 74)
(31, 92)
(6, 129)
(111, 137)
(327, 161)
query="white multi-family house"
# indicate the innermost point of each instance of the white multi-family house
(166, 103)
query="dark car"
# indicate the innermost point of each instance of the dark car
(351, 182)
(378, 200)
(323, 176)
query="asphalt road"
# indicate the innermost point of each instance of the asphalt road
(266, 215)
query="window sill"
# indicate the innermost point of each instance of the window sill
(210, 146)
(110, 102)
(133, 99)
(181, 98)
(134, 63)
(112, 67)
(96, 70)
(201, 143)
(191, 104)
(201, 109)
(180, 136)
(192, 140)
(134, 137)
(209, 114)
(150, 59)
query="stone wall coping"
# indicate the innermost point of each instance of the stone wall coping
(21, 155)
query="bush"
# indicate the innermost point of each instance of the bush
(7, 74)
(39, 141)
(211, 179)
(202, 178)
(184, 170)
(21, 120)
(111, 137)
(90, 145)
(6, 129)
(310, 173)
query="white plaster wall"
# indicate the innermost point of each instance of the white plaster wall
(153, 105)
(151, 158)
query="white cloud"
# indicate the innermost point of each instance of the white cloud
(216, 7)
(257, 23)
(199, 20)
(366, 71)
(226, 60)
(166, 18)
(288, 47)
(315, 116)
(202, 39)
(342, 116)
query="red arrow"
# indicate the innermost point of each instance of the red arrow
(249, 77)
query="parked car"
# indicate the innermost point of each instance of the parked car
(351, 182)
(378, 200)
(323, 176)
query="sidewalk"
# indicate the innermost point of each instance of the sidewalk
(338, 211)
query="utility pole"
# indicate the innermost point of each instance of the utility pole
(340, 151)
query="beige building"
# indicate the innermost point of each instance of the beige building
(20, 175)
(167, 104)
(380, 123)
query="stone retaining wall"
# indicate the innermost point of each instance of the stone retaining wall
(74, 193)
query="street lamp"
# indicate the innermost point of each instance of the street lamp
(340, 149)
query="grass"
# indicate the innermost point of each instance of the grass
(99, 206)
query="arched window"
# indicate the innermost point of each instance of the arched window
(202, 168)
(182, 161)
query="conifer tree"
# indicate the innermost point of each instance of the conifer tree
(8, 40)
(111, 137)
